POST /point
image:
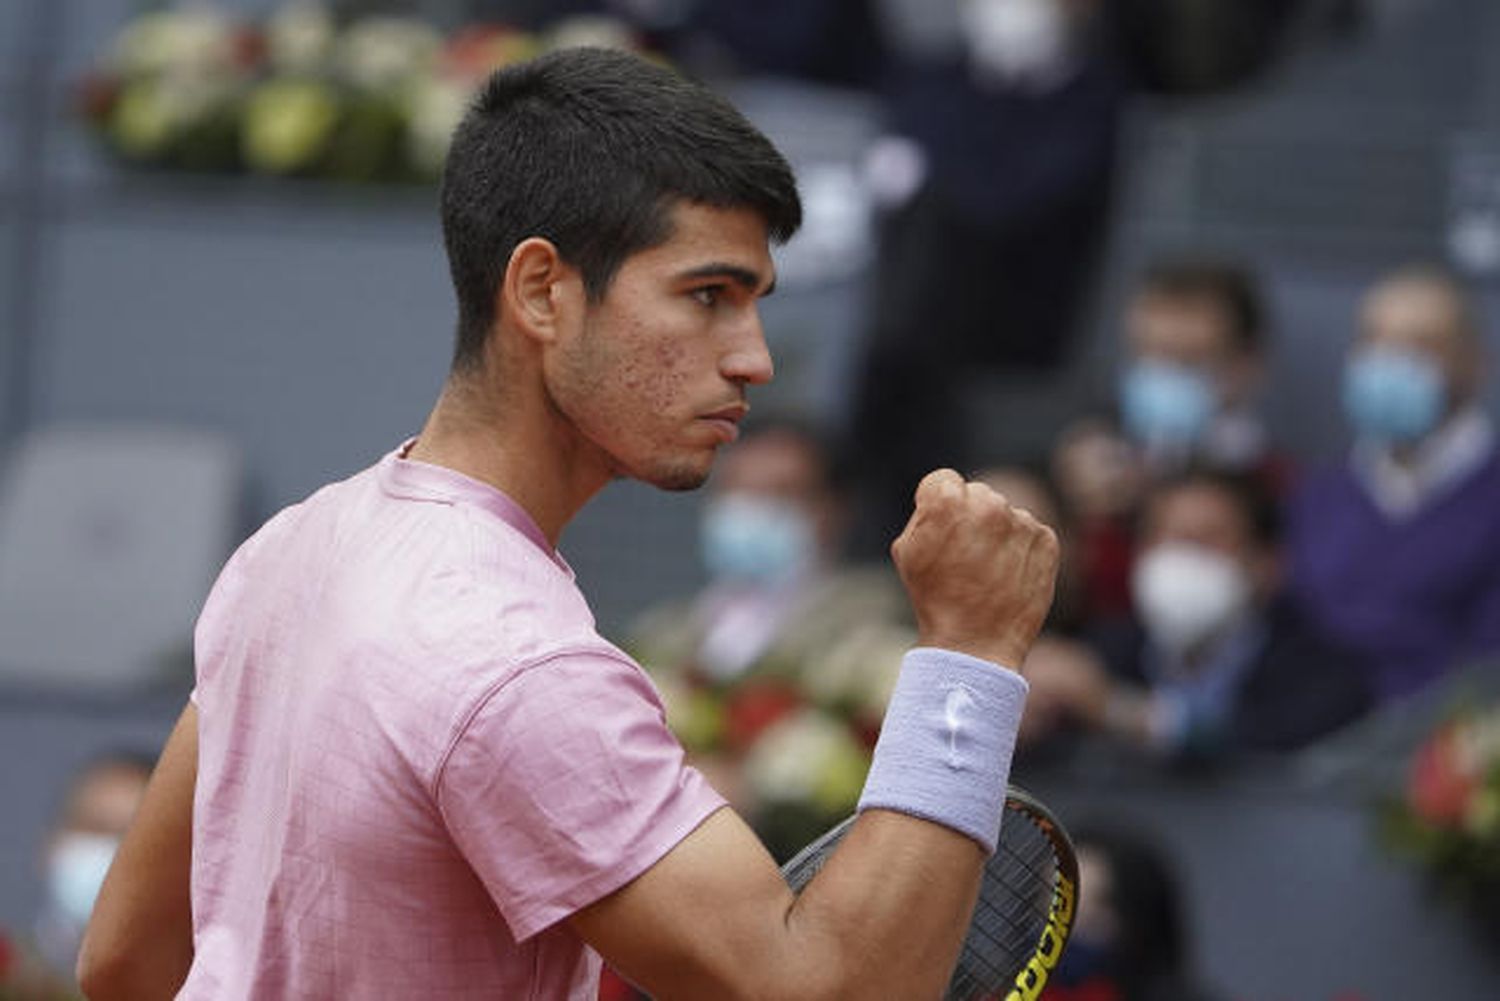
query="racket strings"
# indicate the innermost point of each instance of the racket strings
(1012, 912)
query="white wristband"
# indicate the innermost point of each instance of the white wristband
(945, 749)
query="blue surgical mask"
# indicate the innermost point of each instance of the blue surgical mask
(76, 870)
(1393, 397)
(755, 539)
(1166, 404)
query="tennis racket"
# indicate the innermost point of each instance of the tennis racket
(1025, 908)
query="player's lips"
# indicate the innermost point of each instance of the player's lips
(726, 421)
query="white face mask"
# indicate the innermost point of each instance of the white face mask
(1018, 42)
(1185, 593)
(76, 871)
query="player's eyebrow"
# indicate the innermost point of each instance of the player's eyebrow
(746, 278)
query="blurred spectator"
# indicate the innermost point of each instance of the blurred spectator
(996, 179)
(100, 803)
(1396, 552)
(1215, 660)
(776, 675)
(1130, 938)
(1194, 358)
(1099, 479)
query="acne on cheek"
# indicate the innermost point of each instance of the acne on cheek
(670, 355)
(669, 376)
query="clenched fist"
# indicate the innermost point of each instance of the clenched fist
(979, 572)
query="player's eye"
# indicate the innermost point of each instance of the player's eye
(708, 295)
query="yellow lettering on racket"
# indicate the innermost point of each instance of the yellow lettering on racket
(1031, 979)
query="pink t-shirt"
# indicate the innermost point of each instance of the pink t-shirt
(416, 755)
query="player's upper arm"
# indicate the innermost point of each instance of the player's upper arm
(139, 942)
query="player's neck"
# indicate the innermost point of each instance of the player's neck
(513, 444)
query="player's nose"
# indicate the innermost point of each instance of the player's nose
(748, 359)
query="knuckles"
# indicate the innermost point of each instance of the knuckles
(949, 509)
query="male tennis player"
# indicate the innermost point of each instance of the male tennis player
(411, 769)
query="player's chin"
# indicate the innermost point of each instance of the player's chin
(679, 473)
(680, 479)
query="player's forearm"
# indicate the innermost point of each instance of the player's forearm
(714, 919)
(902, 888)
(139, 942)
(887, 915)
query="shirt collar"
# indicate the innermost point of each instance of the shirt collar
(1457, 448)
(422, 481)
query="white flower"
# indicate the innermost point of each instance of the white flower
(807, 757)
(436, 106)
(591, 30)
(197, 38)
(383, 52)
(299, 37)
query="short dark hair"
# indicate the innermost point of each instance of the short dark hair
(1231, 286)
(1247, 490)
(592, 149)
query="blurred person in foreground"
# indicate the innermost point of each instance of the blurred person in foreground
(1194, 349)
(776, 674)
(1131, 938)
(777, 596)
(412, 768)
(100, 800)
(1215, 660)
(1396, 552)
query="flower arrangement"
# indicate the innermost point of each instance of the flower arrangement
(1448, 816)
(791, 766)
(789, 740)
(303, 93)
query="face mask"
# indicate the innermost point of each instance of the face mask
(755, 539)
(1017, 41)
(76, 871)
(1165, 403)
(1185, 594)
(1393, 397)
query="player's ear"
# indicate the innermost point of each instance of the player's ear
(538, 289)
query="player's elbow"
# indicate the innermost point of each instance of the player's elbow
(99, 975)
(103, 973)
(834, 977)
(116, 972)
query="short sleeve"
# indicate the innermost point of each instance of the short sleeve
(565, 785)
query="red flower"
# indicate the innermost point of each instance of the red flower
(754, 708)
(1439, 788)
(249, 48)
